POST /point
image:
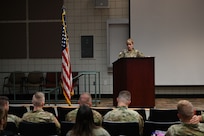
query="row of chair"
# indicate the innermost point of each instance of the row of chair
(19, 80)
(32, 129)
(114, 128)
(61, 111)
(158, 119)
(158, 115)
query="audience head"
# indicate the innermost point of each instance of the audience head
(3, 117)
(124, 98)
(85, 98)
(130, 44)
(84, 122)
(185, 110)
(4, 102)
(84, 115)
(38, 99)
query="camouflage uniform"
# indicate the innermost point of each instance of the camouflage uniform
(134, 53)
(97, 132)
(186, 130)
(123, 114)
(14, 118)
(71, 116)
(40, 116)
(202, 114)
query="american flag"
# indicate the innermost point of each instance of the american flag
(66, 75)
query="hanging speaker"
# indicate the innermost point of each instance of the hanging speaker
(101, 4)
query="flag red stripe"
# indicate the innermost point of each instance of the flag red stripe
(66, 80)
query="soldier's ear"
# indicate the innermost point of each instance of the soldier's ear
(179, 115)
(129, 101)
(90, 104)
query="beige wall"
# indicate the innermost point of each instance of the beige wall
(84, 19)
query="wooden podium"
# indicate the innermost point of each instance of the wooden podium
(137, 76)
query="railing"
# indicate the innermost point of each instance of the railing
(89, 81)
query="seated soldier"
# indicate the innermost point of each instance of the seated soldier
(85, 98)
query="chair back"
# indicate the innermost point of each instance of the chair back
(13, 81)
(35, 77)
(50, 109)
(142, 112)
(52, 79)
(11, 127)
(37, 129)
(65, 127)
(151, 126)
(62, 111)
(122, 128)
(17, 110)
(199, 112)
(102, 110)
(17, 76)
(165, 115)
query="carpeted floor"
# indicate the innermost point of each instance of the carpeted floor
(160, 103)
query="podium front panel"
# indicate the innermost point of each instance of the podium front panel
(137, 76)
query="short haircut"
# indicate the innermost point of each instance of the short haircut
(38, 99)
(85, 98)
(3, 100)
(130, 41)
(124, 96)
(185, 108)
